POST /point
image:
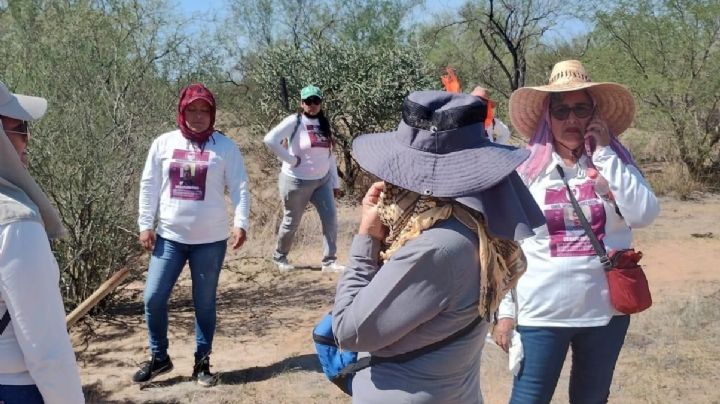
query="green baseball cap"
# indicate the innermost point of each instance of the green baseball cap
(310, 91)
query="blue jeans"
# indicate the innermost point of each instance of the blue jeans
(167, 261)
(24, 394)
(594, 353)
(296, 194)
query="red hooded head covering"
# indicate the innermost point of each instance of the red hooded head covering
(189, 94)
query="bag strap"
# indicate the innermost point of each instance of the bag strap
(599, 249)
(4, 321)
(297, 125)
(368, 361)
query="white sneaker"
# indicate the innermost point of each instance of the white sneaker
(333, 267)
(284, 265)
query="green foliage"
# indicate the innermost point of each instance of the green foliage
(262, 23)
(363, 87)
(668, 52)
(491, 42)
(107, 70)
(370, 22)
(357, 51)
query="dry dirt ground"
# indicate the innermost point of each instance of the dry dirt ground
(264, 353)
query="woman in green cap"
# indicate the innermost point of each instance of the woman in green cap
(303, 142)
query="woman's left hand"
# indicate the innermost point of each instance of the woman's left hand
(239, 237)
(370, 222)
(599, 130)
(502, 332)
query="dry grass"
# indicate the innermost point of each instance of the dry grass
(671, 179)
(657, 155)
(671, 352)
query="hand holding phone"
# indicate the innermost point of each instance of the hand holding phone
(596, 133)
(590, 144)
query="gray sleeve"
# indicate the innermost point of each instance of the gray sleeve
(374, 307)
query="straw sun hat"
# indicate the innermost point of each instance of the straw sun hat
(614, 102)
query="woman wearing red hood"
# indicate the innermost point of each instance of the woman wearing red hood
(182, 219)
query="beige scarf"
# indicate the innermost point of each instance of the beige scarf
(407, 214)
(16, 178)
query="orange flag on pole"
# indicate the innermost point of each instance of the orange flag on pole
(450, 81)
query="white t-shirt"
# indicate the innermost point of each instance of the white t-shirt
(498, 132)
(310, 143)
(565, 284)
(184, 188)
(35, 347)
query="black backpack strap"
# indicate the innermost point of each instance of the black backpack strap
(4, 321)
(599, 249)
(297, 125)
(368, 361)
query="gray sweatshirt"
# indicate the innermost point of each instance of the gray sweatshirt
(428, 290)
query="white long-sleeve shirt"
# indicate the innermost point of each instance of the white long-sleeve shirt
(313, 147)
(35, 347)
(565, 284)
(184, 189)
(498, 132)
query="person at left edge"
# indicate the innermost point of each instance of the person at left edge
(37, 362)
(192, 224)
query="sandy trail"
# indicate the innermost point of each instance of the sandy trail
(263, 347)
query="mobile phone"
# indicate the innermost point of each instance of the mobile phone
(590, 145)
(590, 141)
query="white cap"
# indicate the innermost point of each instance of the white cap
(22, 107)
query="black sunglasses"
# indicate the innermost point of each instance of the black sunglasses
(313, 101)
(22, 129)
(562, 112)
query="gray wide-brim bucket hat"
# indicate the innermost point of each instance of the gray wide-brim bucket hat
(440, 149)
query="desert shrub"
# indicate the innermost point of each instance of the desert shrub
(111, 72)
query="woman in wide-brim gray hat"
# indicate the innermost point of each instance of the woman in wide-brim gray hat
(435, 250)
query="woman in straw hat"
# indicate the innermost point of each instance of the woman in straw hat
(183, 185)
(434, 253)
(572, 126)
(37, 362)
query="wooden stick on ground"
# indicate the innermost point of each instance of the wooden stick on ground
(92, 301)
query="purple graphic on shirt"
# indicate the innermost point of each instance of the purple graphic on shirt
(188, 174)
(567, 237)
(317, 136)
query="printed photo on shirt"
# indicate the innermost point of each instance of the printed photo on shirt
(317, 136)
(188, 174)
(567, 236)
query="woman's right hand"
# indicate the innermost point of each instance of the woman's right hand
(147, 239)
(502, 333)
(370, 221)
